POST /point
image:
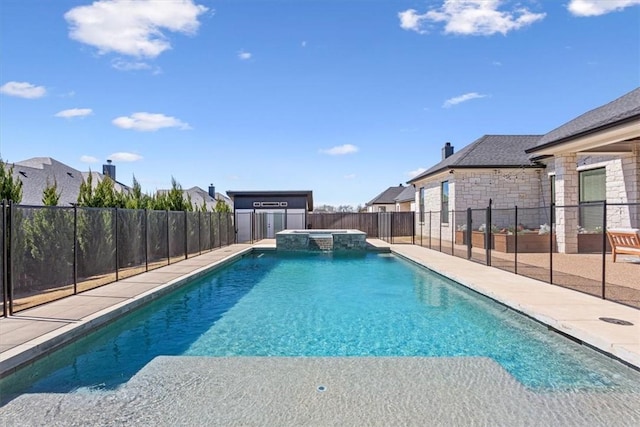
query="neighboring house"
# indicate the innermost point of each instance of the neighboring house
(494, 168)
(264, 213)
(406, 200)
(39, 172)
(198, 196)
(593, 158)
(385, 201)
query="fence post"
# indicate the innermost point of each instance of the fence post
(219, 230)
(515, 240)
(168, 240)
(551, 234)
(452, 225)
(5, 301)
(468, 234)
(210, 231)
(488, 234)
(9, 275)
(391, 221)
(199, 232)
(604, 247)
(440, 232)
(115, 222)
(146, 239)
(75, 249)
(413, 230)
(429, 229)
(186, 235)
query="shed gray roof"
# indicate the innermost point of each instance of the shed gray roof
(388, 196)
(38, 172)
(308, 194)
(626, 108)
(408, 194)
(488, 151)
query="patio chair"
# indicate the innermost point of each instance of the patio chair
(624, 241)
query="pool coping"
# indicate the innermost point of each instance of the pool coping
(569, 312)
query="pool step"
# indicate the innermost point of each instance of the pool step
(321, 242)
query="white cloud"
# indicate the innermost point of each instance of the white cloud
(340, 149)
(125, 157)
(74, 112)
(471, 17)
(244, 56)
(462, 98)
(133, 28)
(123, 65)
(23, 90)
(410, 19)
(598, 7)
(149, 122)
(304, 43)
(496, 64)
(416, 172)
(350, 176)
(88, 159)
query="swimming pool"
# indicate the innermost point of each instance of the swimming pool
(327, 305)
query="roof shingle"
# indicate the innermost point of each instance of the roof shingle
(627, 107)
(497, 151)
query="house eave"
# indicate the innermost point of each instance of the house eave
(452, 169)
(594, 140)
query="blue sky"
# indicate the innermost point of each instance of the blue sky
(341, 97)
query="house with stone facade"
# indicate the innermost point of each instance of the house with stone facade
(494, 169)
(564, 178)
(589, 160)
(406, 200)
(385, 201)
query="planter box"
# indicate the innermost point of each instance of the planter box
(527, 243)
(477, 239)
(591, 243)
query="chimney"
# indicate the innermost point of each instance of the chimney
(109, 170)
(447, 150)
(212, 191)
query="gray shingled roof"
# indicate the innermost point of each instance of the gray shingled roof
(408, 194)
(198, 195)
(488, 151)
(627, 107)
(38, 172)
(388, 196)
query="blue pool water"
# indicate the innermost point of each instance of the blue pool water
(269, 304)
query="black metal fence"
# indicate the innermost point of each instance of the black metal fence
(562, 245)
(52, 252)
(390, 226)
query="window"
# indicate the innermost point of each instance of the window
(421, 202)
(382, 208)
(444, 202)
(592, 190)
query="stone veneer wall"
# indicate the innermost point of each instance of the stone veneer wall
(302, 242)
(472, 188)
(349, 242)
(292, 241)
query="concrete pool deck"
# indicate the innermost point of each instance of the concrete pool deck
(38, 330)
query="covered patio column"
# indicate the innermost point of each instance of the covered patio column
(634, 196)
(566, 195)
